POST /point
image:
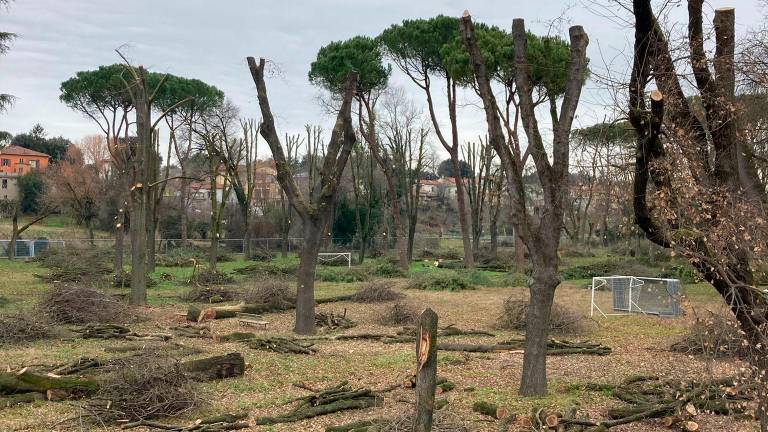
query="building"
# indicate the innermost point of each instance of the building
(16, 161)
(19, 160)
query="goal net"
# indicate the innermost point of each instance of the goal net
(335, 258)
(621, 295)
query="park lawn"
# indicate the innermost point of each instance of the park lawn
(53, 227)
(639, 344)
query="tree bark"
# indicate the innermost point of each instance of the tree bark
(119, 241)
(542, 294)
(305, 286)
(469, 257)
(426, 371)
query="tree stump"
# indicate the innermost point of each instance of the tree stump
(426, 371)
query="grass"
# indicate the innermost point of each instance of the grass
(638, 343)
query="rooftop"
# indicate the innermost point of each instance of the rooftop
(21, 151)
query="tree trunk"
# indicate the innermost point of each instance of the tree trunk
(285, 226)
(138, 248)
(411, 234)
(305, 287)
(542, 294)
(247, 232)
(426, 371)
(494, 231)
(400, 241)
(89, 226)
(151, 227)
(519, 253)
(14, 235)
(184, 190)
(469, 258)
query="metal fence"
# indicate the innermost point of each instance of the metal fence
(29, 248)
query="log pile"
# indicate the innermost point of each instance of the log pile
(331, 321)
(25, 386)
(222, 422)
(340, 397)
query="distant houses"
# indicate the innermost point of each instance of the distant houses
(15, 162)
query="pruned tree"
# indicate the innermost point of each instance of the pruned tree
(314, 209)
(13, 209)
(363, 55)
(696, 187)
(541, 233)
(416, 47)
(362, 171)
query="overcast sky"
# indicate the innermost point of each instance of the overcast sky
(209, 40)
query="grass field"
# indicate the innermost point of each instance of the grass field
(639, 347)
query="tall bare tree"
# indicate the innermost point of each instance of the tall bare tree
(541, 234)
(479, 157)
(315, 209)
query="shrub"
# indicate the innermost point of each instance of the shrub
(442, 281)
(261, 255)
(269, 270)
(684, 272)
(376, 291)
(67, 304)
(75, 264)
(399, 314)
(23, 326)
(588, 271)
(388, 270)
(477, 277)
(275, 293)
(514, 316)
(445, 254)
(515, 280)
(343, 275)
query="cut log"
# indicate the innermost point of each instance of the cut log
(281, 345)
(218, 367)
(218, 423)
(486, 408)
(13, 382)
(554, 347)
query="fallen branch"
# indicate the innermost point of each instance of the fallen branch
(222, 422)
(280, 345)
(217, 367)
(333, 399)
(554, 347)
(25, 381)
(331, 321)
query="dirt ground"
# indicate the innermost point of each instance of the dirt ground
(640, 346)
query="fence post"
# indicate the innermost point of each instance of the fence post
(426, 371)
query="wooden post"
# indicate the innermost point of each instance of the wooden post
(426, 371)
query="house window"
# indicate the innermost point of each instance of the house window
(33, 163)
(5, 184)
(6, 162)
(21, 161)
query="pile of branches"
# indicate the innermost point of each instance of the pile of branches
(261, 254)
(23, 326)
(280, 345)
(375, 292)
(340, 397)
(442, 421)
(116, 331)
(208, 278)
(676, 402)
(449, 330)
(331, 321)
(713, 336)
(221, 422)
(123, 280)
(143, 388)
(269, 270)
(514, 316)
(274, 293)
(75, 264)
(206, 294)
(69, 304)
(399, 314)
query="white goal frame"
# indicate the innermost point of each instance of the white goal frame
(634, 283)
(334, 255)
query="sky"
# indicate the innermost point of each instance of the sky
(210, 40)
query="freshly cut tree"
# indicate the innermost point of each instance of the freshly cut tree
(315, 209)
(541, 233)
(696, 188)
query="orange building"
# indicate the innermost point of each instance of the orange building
(19, 160)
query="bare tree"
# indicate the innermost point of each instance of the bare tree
(541, 234)
(315, 209)
(699, 172)
(479, 157)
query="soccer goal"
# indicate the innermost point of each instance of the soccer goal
(330, 257)
(630, 294)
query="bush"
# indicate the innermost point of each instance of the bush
(376, 291)
(588, 271)
(442, 281)
(684, 272)
(399, 314)
(67, 304)
(261, 254)
(74, 264)
(515, 280)
(275, 293)
(388, 270)
(269, 270)
(23, 326)
(445, 254)
(478, 277)
(342, 275)
(514, 316)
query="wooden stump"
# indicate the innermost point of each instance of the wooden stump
(426, 371)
